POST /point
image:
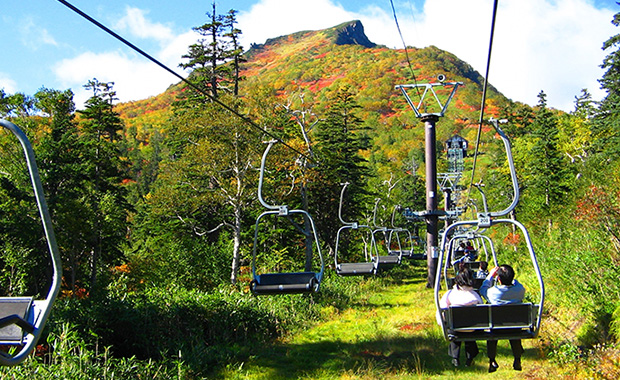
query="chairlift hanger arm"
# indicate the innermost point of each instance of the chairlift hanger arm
(44, 307)
(261, 177)
(344, 187)
(374, 213)
(396, 208)
(511, 165)
(513, 176)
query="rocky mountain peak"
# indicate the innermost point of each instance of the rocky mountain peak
(352, 33)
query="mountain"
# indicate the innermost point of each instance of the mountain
(317, 63)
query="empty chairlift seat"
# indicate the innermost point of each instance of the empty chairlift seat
(352, 267)
(356, 269)
(16, 317)
(384, 261)
(280, 283)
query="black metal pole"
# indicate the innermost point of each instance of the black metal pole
(432, 219)
(447, 195)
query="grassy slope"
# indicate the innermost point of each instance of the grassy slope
(392, 334)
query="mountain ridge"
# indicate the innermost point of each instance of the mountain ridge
(347, 33)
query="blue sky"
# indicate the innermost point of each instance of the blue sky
(550, 45)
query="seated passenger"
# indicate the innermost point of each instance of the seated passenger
(506, 290)
(482, 272)
(462, 294)
(470, 253)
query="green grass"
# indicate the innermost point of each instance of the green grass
(390, 334)
(385, 329)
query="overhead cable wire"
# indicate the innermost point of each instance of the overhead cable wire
(192, 85)
(484, 94)
(406, 49)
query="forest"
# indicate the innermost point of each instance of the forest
(154, 202)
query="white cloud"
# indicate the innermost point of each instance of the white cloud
(47, 38)
(274, 18)
(134, 78)
(33, 36)
(172, 52)
(539, 45)
(548, 45)
(138, 25)
(7, 84)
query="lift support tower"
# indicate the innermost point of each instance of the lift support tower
(431, 214)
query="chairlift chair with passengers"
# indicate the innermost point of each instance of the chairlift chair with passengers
(456, 259)
(360, 268)
(490, 322)
(285, 282)
(22, 319)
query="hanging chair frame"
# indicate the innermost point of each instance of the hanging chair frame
(284, 282)
(369, 267)
(383, 261)
(22, 319)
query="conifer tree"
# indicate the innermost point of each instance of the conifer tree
(338, 144)
(215, 58)
(606, 124)
(104, 169)
(235, 50)
(548, 177)
(60, 161)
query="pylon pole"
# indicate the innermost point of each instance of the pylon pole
(432, 219)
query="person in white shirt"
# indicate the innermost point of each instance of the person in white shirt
(462, 294)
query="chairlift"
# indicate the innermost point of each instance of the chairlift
(368, 267)
(490, 322)
(388, 259)
(457, 258)
(404, 240)
(286, 282)
(22, 319)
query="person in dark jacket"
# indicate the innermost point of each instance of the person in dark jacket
(506, 290)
